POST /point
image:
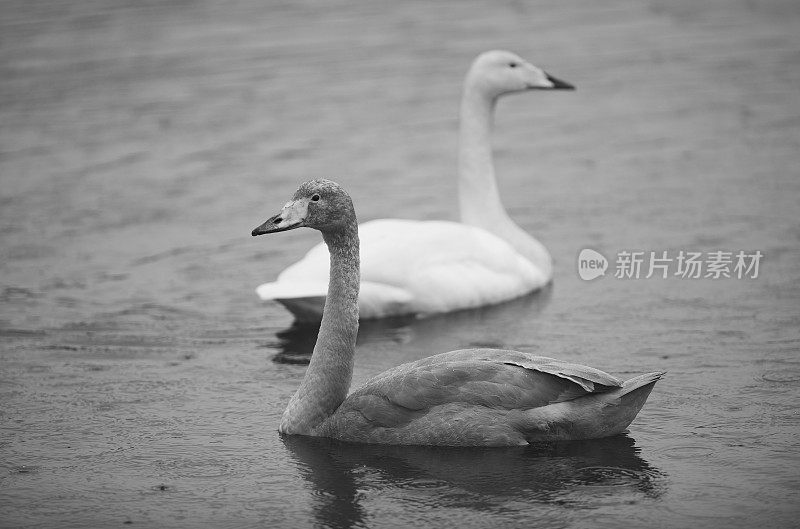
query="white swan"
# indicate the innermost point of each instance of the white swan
(476, 397)
(413, 267)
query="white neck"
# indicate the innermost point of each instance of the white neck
(327, 379)
(478, 196)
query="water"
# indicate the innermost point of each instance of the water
(141, 381)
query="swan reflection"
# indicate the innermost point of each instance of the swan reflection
(343, 478)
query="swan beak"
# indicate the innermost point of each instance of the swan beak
(293, 215)
(558, 84)
(273, 224)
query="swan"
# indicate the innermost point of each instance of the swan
(470, 397)
(428, 267)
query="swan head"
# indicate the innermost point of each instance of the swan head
(499, 72)
(319, 204)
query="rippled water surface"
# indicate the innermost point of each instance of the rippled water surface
(141, 380)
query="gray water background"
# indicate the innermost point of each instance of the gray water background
(141, 380)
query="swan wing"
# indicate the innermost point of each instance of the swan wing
(584, 376)
(491, 378)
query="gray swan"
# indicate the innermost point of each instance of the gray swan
(470, 397)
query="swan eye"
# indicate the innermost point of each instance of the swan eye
(513, 64)
(315, 198)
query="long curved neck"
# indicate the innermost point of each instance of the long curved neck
(327, 379)
(478, 196)
(479, 199)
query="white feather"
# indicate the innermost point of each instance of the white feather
(420, 267)
(414, 267)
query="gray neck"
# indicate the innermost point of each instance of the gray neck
(479, 198)
(327, 379)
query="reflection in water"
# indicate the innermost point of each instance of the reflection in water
(296, 343)
(574, 473)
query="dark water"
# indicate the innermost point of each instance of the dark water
(141, 381)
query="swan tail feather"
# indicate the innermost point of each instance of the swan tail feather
(592, 416)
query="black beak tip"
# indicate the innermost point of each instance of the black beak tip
(558, 84)
(271, 226)
(266, 227)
